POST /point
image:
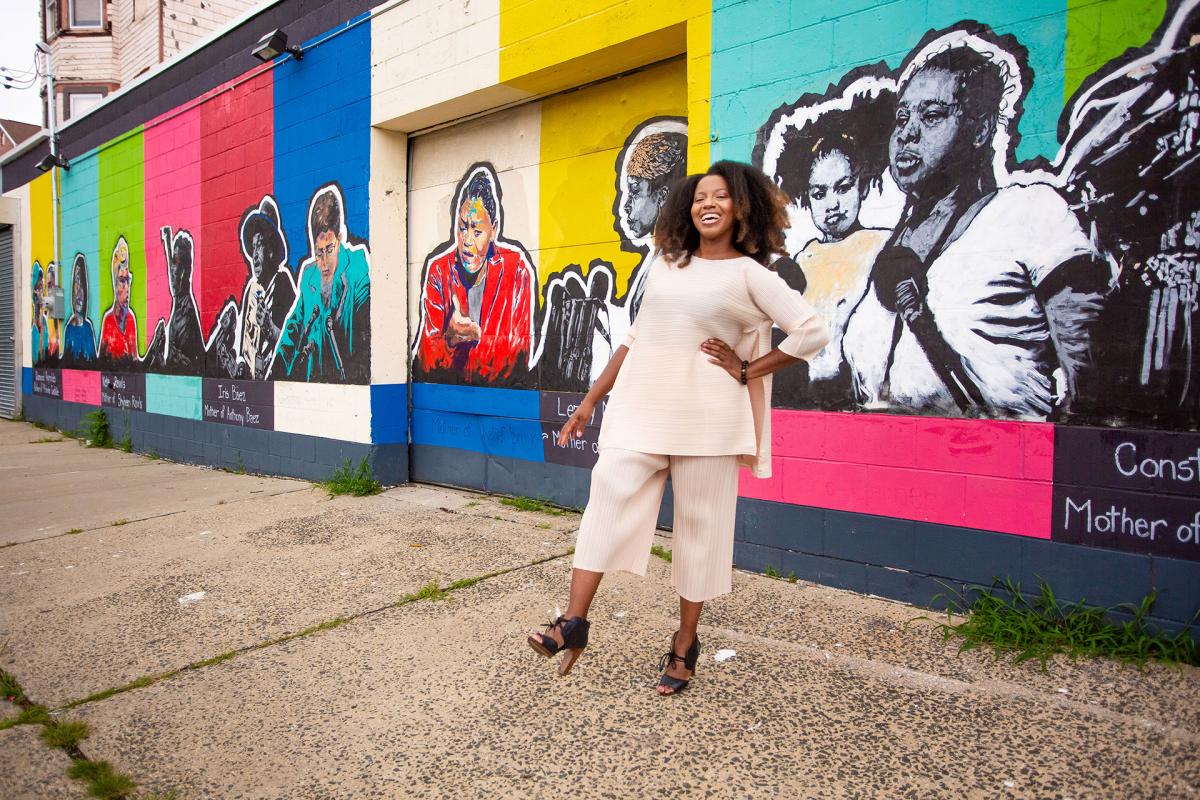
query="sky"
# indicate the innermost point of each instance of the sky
(18, 34)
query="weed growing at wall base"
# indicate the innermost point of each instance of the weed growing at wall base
(1007, 621)
(346, 479)
(532, 504)
(95, 430)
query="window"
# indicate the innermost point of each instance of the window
(86, 13)
(77, 100)
(50, 7)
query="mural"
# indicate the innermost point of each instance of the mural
(327, 334)
(478, 319)
(317, 333)
(477, 294)
(958, 281)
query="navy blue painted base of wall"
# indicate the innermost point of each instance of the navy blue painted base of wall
(913, 562)
(210, 444)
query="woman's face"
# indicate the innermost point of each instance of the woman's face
(834, 196)
(712, 209)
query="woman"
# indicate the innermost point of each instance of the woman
(687, 402)
(80, 338)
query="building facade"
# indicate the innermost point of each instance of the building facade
(279, 264)
(97, 46)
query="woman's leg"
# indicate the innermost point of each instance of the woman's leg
(702, 542)
(618, 526)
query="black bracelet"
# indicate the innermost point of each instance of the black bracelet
(744, 365)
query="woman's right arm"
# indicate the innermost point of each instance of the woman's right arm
(603, 385)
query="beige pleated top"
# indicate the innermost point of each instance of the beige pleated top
(668, 398)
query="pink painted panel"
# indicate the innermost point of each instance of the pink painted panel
(798, 434)
(979, 447)
(1038, 441)
(885, 439)
(825, 484)
(916, 494)
(1009, 506)
(81, 386)
(762, 488)
(172, 181)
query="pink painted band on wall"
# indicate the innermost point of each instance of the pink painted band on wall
(987, 474)
(81, 386)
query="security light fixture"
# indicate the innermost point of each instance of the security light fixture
(274, 44)
(51, 161)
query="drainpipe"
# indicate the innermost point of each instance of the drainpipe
(162, 12)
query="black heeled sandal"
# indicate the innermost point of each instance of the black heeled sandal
(575, 639)
(677, 685)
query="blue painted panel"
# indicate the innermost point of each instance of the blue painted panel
(174, 395)
(520, 403)
(322, 131)
(389, 413)
(514, 438)
(27, 380)
(769, 53)
(446, 429)
(80, 226)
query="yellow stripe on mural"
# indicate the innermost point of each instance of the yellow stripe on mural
(41, 220)
(583, 134)
(547, 45)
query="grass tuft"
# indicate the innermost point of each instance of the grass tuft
(661, 552)
(430, 591)
(127, 443)
(74, 531)
(1042, 627)
(532, 504)
(116, 523)
(10, 689)
(153, 456)
(347, 479)
(102, 780)
(47, 440)
(30, 715)
(66, 734)
(771, 572)
(95, 429)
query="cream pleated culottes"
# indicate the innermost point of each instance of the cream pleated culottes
(618, 525)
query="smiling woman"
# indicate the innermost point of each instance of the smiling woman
(717, 232)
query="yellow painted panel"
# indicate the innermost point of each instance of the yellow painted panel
(582, 136)
(699, 91)
(41, 221)
(540, 35)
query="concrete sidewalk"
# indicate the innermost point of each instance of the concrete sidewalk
(828, 693)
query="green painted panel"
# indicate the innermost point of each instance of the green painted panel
(1098, 32)
(122, 213)
(174, 395)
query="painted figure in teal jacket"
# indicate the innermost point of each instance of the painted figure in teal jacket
(326, 336)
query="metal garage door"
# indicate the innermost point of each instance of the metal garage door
(8, 340)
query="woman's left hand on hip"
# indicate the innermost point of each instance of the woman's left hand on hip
(723, 356)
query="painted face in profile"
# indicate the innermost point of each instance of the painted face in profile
(834, 195)
(929, 139)
(475, 231)
(327, 254)
(641, 206)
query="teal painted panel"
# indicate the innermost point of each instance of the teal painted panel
(80, 229)
(769, 53)
(174, 395)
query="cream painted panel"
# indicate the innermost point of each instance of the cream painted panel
(22, 254)
(389, 256)
(433, 61)
(330, 410)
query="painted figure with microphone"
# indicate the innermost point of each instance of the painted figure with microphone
(327, 334)
(983, 299)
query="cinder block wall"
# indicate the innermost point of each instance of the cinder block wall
(989, 206)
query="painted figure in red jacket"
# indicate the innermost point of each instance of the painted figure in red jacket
(118, 331)
(477, 318)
